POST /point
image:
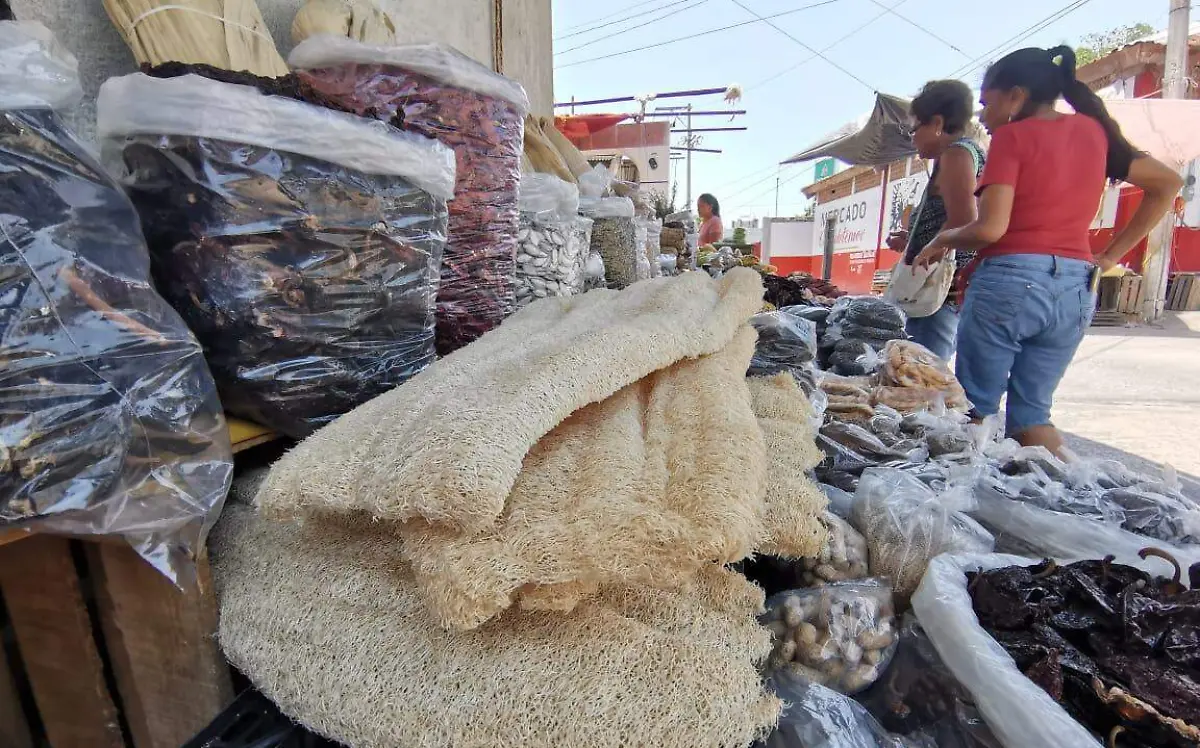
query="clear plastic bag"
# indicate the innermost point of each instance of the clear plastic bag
(553, 241)
(596, 183)
(907, 523)
(310, 282)
(818, 717)
(111, 423)
(614, 238)
(440, 93)
(841, 635)
(643, 270)
(1017, 710)
(653, 238)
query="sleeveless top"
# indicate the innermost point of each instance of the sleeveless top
(931, 214)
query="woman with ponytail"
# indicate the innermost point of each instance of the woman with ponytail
(1031, 292)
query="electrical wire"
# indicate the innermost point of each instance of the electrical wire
(919, 27)
(1011, 42)
(656, 19)
(830, 46)
(780, 14)
(590, 29)
(749, 201)
(781, 30)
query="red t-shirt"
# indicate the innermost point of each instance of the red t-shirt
(1056, 169)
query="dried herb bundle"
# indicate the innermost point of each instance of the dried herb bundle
(1119, 649)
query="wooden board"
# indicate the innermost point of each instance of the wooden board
(54, 633)
(244, 435)
(1183, 295)
(14, 728)
(170, 674)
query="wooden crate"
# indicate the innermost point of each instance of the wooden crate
(1122, 295)
(1183, 293)
(105, 650)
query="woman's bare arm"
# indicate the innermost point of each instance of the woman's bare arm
(956, 185)
(995, 211)
(1160, 184)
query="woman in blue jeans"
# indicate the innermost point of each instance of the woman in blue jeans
(1031, 294)
(941, 114)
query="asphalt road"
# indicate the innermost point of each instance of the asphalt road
(1133, 394)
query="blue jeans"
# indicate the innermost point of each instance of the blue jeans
(937, 332)
(1021, 323)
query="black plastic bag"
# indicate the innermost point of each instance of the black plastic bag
(253, 721)
(302, 245)
(109, 420)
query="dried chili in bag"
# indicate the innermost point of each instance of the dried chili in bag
(302, 245)
(109, 418)
(443, 94)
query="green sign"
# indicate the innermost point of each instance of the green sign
(824, 169)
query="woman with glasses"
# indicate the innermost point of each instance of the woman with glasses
(941, 120)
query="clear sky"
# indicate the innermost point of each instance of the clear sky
(789, 110)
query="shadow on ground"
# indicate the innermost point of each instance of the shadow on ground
(1172, 325)
(1092, 449)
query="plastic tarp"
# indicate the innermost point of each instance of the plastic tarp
(881, 139)
(1164, 128)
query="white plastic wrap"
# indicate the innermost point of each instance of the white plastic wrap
(907, 524)
(547, 195)
(605, 207)
(35, 70)
(643, 271)
(553, 241)
(438, 61)
(1020, 713)
(596, 183)
(1068, 537)
(192, 106)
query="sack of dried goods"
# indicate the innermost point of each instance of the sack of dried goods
(614, 238)
(641, 233)
(785, 343)
(1069, 656)
(912, 365)
(840, 636)
(438, 92)
(553, 240)
(907, 524)
(111, 424)
(654, 228)
(301, 245)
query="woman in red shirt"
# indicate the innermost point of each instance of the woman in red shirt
(1031, 294)
(711, 228)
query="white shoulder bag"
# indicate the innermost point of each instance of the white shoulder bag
(920, 292)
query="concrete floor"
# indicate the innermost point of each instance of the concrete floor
(1133, 394)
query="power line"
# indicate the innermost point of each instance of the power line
(919, 27)
(833, 44)
(778, 28)
(614, 14)
(792, 178)
(700, 34)
(620, 20)
(1004, 46)
(632, 28)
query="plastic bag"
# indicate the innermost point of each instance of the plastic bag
(1065, 537)
(614, 238)
(913, 366)
(1019, 712)
(440, 93)
(553, 241)
(906, 523)
(840, 636)
(653, 237)
(642, 270)
(817, 717)
(595, 183)
(111, 423)
(310, 282)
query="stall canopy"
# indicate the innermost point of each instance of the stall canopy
(577, 127)
(874, 140)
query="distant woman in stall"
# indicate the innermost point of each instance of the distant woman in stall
(711, 228)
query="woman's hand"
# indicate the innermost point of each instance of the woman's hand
(1105, 262)
(933, 253)
(897, 240)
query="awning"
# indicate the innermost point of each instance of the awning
(1165, 128)
(577, 127)
(877, 139)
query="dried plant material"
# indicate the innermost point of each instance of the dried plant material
(542, 154)
(360, 20)
(448, 445)
(317, 610)
(794, 503)
(570, 154)
(645, 487)
(227, 34)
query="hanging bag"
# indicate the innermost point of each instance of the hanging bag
(920, 292)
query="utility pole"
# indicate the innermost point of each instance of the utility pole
(776, 195)
(1175, 86)
(690, 146)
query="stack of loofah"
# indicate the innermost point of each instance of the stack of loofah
(467, 545)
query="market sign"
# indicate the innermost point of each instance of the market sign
(824, 169)
(856, 227)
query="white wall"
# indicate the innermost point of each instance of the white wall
(787, 237)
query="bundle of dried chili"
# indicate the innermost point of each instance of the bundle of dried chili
(302, 245)
(109, 422)
(445, 95)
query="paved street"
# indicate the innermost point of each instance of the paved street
(1133, 394)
